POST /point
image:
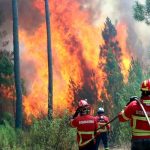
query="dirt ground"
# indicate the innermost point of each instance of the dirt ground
(125, 147)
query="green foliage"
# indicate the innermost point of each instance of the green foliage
(109, 30)
(7, 136)
(114, 84)
(53, 135)
(142, 12)
(131, 88)
(139, 12)
(6, 68)
(44, 134)
(111, 52)
(7, 117)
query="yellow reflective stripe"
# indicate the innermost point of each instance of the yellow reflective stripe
(139, 118)
(124, 116)
(146, 101)
(85, 142)
(104, 129)
(139, 132)
(134, 123)
(83, 132)
(135, 118)
(144, 89)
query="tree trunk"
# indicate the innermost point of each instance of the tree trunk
(17, 66)
(49, 53)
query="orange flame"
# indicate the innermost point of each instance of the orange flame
(75, 47)
(122, 36)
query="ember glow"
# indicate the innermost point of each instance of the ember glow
(75, 48)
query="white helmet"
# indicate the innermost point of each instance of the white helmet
(100, 110)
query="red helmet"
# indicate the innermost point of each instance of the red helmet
(145, 86)
(83, 103)
(84, 107)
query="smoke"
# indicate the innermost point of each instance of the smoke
(30, 17)
(138, 32)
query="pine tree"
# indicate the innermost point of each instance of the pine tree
(50, 70)
(113, 83)
(142, 11)
(17, 65)
(111, 52)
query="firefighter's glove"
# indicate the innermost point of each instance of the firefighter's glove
(132, 98)
(76, 113)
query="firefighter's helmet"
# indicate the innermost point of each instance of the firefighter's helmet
(100, 110)
(83, 103)
(84, 107)
(145, 86)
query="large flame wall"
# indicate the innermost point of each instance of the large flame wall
(75, 48)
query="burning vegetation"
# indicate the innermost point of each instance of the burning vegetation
(76, 43)
(83, 51)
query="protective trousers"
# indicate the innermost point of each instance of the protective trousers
(140, 144)
(89, 146)
(103, 136)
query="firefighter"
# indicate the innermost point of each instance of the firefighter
(138, 121)
(86, 126)
(102, 120)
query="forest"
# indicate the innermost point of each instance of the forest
(59, 56)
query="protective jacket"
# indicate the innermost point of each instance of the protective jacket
(102, 120)
(86, 128)
(138, 122)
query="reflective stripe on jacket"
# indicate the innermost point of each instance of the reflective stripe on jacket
(138, 121)
(86, 128)
(102, 120)
(81, 133)
(137, 131)
(104, 129)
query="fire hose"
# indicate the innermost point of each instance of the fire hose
(143, 109)
(113, 119)
(134, 98)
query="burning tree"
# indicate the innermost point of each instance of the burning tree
(87, 91)
(6, 75)
(110, 52)
(7, 103)
(110, 61)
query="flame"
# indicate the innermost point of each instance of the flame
(122, 36)
(75, 50)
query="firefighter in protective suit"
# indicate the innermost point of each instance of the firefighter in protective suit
(86, 126)
(138, 121)
(102, 120)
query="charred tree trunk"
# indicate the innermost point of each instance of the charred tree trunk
(49, 53)
(18, 121)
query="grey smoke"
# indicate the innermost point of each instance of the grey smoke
(29, 17)
(122, 10)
